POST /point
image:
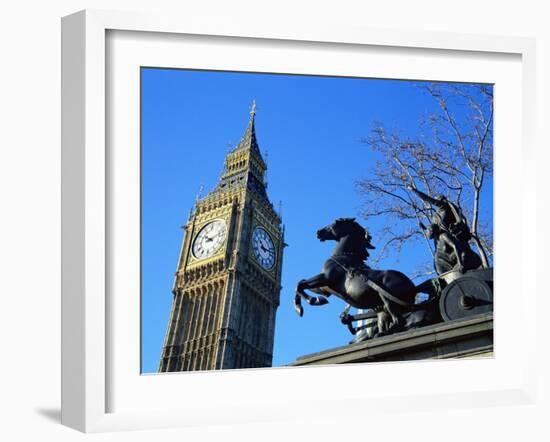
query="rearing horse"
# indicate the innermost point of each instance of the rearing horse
(345, 275)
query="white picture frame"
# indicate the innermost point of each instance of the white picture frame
(87, 314)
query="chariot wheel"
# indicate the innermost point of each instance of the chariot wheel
(466, 296)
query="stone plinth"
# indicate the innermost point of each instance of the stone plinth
(463, 338)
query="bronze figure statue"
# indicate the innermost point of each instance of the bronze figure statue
(450, 253)
(451, 235)
(388, 296)
(388, 293)
(447, 216)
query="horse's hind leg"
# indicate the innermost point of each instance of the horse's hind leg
(312, 283)
(309, 284)
(390, 319)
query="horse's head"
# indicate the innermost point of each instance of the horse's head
(344, 227)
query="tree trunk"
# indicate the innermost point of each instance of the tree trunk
(482, 253)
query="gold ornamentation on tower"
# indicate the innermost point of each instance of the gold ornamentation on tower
(228, 279)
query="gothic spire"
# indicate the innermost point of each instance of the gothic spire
(244, 166)
(249, 141)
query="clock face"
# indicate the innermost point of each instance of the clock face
(263, 247)
(210, 239)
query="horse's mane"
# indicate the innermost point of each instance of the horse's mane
(354, 223)
(360, 230)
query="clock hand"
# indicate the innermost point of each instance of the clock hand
(209, 238)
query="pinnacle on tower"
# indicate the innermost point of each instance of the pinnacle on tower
(244, 166)
(248, 141)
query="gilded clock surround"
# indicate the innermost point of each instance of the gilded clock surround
(224, 305)
(219, 252)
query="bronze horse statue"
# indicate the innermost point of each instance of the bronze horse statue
(389, 293)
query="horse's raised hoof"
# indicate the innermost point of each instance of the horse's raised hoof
(321, 300)
(317, 300)
(299, 310)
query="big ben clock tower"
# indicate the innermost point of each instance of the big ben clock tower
(228, 278)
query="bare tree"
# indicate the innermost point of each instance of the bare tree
(451, 155)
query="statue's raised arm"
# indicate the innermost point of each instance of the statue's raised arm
(447, 215)
(428, 199)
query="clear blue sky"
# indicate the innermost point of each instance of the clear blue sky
(310, 128)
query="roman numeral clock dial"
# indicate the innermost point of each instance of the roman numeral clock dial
(264, 250)
(210, 239)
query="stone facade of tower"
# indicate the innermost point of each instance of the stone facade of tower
(228, 280)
